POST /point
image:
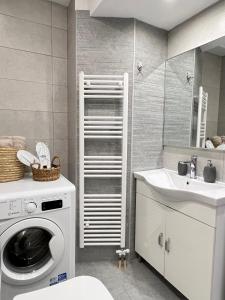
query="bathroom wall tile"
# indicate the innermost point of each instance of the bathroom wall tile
(211, 129)
(150, 41)
(178, 99)
(61, 149)
(22, 95)
(100, 49)
(60, 126)
(16, 64)
(59, 71)
(19, 34)
(60, 103)
(59, 42)
(59, 16)
(147, 132)
(32, 125)
(72, 127)
(31, 145)
(171, 156)
(211, 70)
(72, 99)
(151, 81)
(28, 96)
(150, 49)
(38, 11)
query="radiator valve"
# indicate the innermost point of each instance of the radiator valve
(122, 261)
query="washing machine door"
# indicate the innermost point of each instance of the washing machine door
(30, 249)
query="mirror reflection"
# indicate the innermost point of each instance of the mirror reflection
(195, 98)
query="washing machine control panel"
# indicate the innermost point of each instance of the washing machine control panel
(20, 207)
(30, 207)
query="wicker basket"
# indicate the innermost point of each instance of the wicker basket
(47, 174)
(11, 168)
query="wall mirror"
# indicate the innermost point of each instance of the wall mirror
(195, 98)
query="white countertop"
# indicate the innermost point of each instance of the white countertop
(27, 185)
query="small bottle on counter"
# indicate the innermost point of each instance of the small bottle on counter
(209, 172)
(182, 168)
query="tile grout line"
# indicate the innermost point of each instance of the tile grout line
(33, 22)
(33, 52)
(29, 110)
(52, 60)
(131, 142)
(31, 81)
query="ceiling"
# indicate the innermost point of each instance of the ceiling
(62, 2)
(216, 47)
(164, 14)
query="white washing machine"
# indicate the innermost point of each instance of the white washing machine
(37, 235)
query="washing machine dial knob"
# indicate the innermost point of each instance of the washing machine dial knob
(31, 207)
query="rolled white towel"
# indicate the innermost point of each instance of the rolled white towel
(6, 142)
(221, 147)
(18, 142)
(209, 144)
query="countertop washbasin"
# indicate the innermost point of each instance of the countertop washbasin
(183, 188)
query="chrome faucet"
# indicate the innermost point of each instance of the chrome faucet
(193, 165)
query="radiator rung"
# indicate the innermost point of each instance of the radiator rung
(102, 195)
(90, 218)
(102, 204)
(101, 231)
(102, 201)
(102, 244)
(109, 235)
(102, 239)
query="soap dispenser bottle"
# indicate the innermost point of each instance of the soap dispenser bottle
(209, 172)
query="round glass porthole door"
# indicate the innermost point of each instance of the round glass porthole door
(28, 250)
(31, 249)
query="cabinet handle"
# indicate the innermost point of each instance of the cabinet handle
(167, 246)
(160, 239)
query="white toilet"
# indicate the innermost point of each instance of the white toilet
(79, 288)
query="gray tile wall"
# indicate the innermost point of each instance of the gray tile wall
(33, 73)
(72, 99)
(211, 73)
(178, 100)
(221, 114)
(114, 46)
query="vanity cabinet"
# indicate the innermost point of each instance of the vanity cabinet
(188, 255)
(173, 238)
(150, 228)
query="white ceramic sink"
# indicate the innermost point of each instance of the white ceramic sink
(183, 188)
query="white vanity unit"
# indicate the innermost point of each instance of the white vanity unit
(180, 231)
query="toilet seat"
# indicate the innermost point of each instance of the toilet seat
(79, 288)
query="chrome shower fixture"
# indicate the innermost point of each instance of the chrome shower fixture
(139, 67)
(189, 77)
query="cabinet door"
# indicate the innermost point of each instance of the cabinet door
(150, 231)
(189, 255)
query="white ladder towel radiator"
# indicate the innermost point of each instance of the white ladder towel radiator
(202, 118)
(103, 216)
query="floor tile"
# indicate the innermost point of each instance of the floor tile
(138, 282)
